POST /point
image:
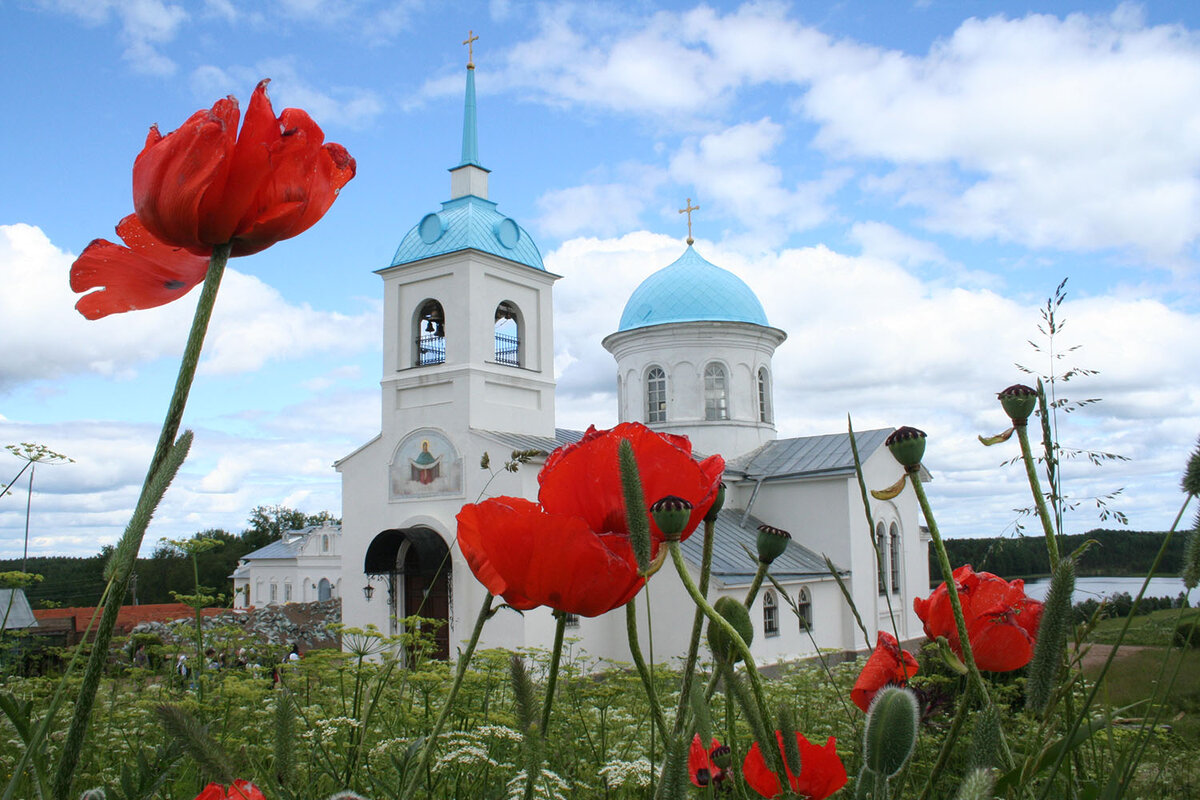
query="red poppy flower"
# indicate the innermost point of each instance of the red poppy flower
(205, 184)
(701, 768)
(238, 790)
(888, 664)
(572, 552)
(1001, 621)
(143, 274)
(821, 771)
(583, 478)
(532, 558)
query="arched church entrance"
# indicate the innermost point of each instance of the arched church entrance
(415, 566)
(323, 589)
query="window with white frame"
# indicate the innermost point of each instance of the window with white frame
(274, 592)
(894, 553)
(716, 392)
(570, 620)
(804, 608)
(764, 395)
(656, 395)
(508, 334)
(770, 613)
(287, 593)
(881, 545)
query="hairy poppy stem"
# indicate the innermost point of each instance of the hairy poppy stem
(756, 584)
(689, 666)
(639, 661)
(464, 661)
(131, 540)
(1038, 498)
(552, 678)
(734, 637)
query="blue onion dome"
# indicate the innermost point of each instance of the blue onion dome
(464, 223)
(692, 290)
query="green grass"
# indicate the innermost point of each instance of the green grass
(1134, 677)
(1151, 630)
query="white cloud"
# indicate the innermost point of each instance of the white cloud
(252, 324)
(870, 338)
(605, 208)
(146, 25)
(733, 169)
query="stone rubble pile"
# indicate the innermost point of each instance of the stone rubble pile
(303, 624)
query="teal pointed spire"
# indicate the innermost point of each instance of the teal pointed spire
(470, 141)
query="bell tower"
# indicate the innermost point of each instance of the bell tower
(468, 319)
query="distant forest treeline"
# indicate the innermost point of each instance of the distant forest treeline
(79, 581)
(1116, 553)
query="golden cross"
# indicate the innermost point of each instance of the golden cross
(690, 208)
(470, 43)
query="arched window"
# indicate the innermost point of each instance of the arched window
(764, 395)
(430, 334)
(324, 590)
(881, 550)
(656, 395)
(325, 543)
(274, 592)
(770, 613)
(894, 532)
(804, 608)
(508, 334)
(716, 392)
(287, 592)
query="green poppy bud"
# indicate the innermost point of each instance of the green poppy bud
(1018, 401)
(1191, 475)
(736, 615)
(771, 543)
(717, 505)
(671, 514)
(907, 446)
(891, 731)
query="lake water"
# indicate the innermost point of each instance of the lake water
(1099, 588)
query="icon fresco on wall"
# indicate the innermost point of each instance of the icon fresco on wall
(424, 464)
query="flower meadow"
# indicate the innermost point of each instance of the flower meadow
(994, 704)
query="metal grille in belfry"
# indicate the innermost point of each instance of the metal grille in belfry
(431, 350)
(508, 350)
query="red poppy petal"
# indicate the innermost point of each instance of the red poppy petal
(584, 479)
(474, 522)
(244, 790)
(758, 775)
(888, 664)
(225, 206)
(172, 174)
(535, 558)
(697, 760)
(305, 178)
(999, 644)
(822, 772)
(213, 791)
(129, 279)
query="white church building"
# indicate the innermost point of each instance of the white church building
(468, 370)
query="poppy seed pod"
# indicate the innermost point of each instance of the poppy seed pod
(722, 756)
(908, 446)
(718, 503)
(671, 514)
(772, 542)
(736, 615)
(1018, 401)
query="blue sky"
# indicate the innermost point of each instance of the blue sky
(902, 184)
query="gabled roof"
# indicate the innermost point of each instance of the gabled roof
(289, 546)
(808, 456)
(731, 564)
(544, 444)
(15, 611)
